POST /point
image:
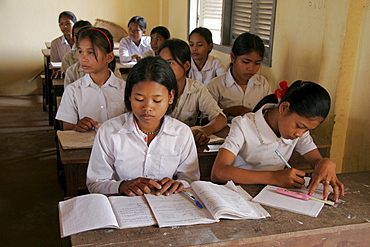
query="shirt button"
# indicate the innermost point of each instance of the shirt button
(275, 157)
(102, 107)
(149, 155)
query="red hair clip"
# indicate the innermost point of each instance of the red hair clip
(281, 92)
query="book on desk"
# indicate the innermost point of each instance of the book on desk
(94, 211)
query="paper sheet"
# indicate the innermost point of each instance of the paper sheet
(213, 139)
(70, 139)
(269, 197)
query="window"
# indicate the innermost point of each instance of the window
(237, 16)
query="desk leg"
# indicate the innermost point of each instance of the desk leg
(70, 176)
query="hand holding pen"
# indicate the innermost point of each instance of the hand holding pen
(289, 177)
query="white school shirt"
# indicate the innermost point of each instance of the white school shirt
(69, 59)
(75, 72)
(59, 47)
(127, 48)
(228, 93)
(211, 69)
(120, 153)
(84, 98)
(253, 142)
(193, 100)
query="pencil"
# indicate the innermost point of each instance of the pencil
(282, 158)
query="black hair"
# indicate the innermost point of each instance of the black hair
(163, 31)
(140, 21)
(205, 33)
(306, 98)
(151, 69)
(98, 39)
(179, 49)
(246, 43)
(69, 15)
(80, 24)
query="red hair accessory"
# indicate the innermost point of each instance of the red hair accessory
(281, 92)
(106, 36)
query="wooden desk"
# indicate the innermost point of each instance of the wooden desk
(346, 225)
(48, 44)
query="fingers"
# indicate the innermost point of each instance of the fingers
(86, 124)
(169, 186)
(200, 137)
(139, 186)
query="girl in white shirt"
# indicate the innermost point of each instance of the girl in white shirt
(97, 96)
(132, 47)
(194, 98)
(240, 88)
(248, 154)
(158, 36)
(203, 66)
(144, 149)
(60, 46)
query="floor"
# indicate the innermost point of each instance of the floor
(29, 188)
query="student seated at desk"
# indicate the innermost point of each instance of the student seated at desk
(203, 66)
(158, 36)
(75, 71)
(194, 98)
(240, 88)
(248, 153)
(144, 149)
(132, 47)
(71, 57)
(98, 95)
(60, 46)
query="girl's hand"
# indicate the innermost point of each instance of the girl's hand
(169, 186)
(138, 186)
(200, 136)
(288, 178)
(86, 124)
(324, 172)
(238, 110)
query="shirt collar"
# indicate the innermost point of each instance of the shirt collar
(111, 82)
(264, 130)
(207, 65)
(230, 81)
(129, 126)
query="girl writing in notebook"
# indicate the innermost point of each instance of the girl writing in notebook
(248, 153)
(98, 95)
(194, 97)
(144, 149)
(240, 89)
(203, 66)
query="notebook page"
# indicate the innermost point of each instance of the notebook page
(177, 210)
(132, 211)
(85, 213)
(268, 196)
(223, 202)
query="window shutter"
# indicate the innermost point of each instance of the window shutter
(255, 16)
(210, 16)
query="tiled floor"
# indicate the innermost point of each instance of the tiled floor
(29, 189)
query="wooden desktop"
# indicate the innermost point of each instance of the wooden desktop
(344, 225)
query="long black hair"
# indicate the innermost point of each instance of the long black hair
(151, 69)
(306, 98)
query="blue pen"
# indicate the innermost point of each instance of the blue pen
(192, 198)
(282, 158)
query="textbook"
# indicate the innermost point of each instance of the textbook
(269, 197)
(95, 211)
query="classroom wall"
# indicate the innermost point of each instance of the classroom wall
(26, 24)
(320, 40)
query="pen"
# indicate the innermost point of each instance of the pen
(302, 196)
(282, 158)
(192, 198)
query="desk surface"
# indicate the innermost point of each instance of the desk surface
(345, 225)
(46, 52)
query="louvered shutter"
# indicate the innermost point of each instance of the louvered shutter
(210, 16)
